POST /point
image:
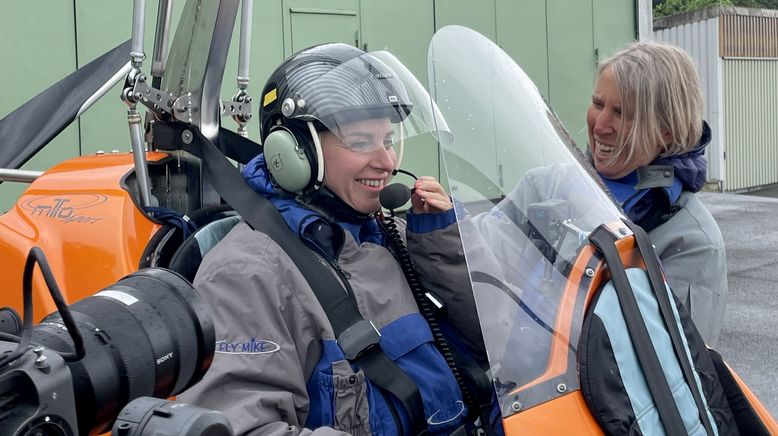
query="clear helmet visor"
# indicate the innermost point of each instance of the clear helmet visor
(372, 86)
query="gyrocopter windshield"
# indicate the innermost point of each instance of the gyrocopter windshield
(526, 200)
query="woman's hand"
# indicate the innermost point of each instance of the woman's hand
(429, 196)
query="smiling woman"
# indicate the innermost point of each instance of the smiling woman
(362, 162)
(647, 141)
(333, 124)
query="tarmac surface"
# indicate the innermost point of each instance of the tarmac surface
(749, 338)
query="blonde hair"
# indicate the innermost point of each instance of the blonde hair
(660, 92)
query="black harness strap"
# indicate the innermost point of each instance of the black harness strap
(665, 307)
(357, 337)
(649, 361)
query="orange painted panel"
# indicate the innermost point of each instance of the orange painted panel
(564, 416)
(84, 221)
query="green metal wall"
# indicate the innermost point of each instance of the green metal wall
(750, 115)
(557, 42)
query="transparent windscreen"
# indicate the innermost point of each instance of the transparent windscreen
(526, 201)
(374, 85)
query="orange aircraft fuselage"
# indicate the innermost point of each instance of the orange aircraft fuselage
(84, 219)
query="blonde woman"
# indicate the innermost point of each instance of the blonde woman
(646, 140)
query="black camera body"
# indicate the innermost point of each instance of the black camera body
(147, 335)
(37, 394)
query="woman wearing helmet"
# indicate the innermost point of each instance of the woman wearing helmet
(333, 123)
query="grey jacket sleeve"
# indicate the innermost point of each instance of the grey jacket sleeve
(692, 253)
(265, 346)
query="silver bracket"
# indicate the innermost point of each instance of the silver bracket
(157, 101)
(239, 108)
(182, 108)
(137, 90)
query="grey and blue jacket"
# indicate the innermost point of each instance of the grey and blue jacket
(278, 368)
(684, 233)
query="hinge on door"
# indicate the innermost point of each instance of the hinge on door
(356, 38)
(499, 175)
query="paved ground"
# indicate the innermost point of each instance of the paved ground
(771, 192)
(749, 340)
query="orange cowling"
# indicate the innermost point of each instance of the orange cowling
(86, 223)
(567, 415)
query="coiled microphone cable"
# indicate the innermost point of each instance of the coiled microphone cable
(392, 197)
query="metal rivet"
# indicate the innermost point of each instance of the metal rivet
(623, 231)
(516, 406)
(53, 395)
(186, 136)
(667, 173)
(40, 361)
(301, 103)
(352, 379)
(287, 107)
(561, 388)
(99, 152)
(589, 272)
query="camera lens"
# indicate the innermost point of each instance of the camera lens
(149, 334)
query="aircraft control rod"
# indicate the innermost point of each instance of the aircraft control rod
(159, 57)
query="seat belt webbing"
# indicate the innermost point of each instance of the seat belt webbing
(636, 327)
(663, 299)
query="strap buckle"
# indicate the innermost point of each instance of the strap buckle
(357, 339)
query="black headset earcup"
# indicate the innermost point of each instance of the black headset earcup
(286, 160)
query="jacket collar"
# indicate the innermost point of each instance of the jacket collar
(300, 217)
(671, 175)
(691, 168)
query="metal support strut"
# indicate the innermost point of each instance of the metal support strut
(129, 97)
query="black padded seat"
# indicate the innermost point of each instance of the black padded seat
(164, 244)
(187, 258)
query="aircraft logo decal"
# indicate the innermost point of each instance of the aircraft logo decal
(250, 346)
(66, 208)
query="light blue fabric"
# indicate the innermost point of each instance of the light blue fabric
(609, 312)
(686, 348)
(213, 232)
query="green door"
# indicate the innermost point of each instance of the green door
(311, 22)
(404, 28)
(571, 62)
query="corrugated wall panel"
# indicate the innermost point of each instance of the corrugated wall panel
(749, 36)
(751, 111)
(700, 40)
